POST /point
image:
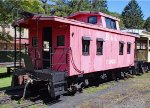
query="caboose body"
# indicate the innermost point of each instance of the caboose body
(79, 46)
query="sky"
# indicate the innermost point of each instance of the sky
(118, 6)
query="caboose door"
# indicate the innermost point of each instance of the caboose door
(47, 45)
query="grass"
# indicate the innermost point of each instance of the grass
(144, 76)
(137, 87)
(90, 104)
(5, 82)
(12, 105)
(145, 80)
(141, 82)
(6, 106)
(99, 88)
(3, 69)
(32, 106)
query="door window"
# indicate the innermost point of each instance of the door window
(60, 40)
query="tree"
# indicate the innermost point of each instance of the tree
(147, 24)
(132, 15)
(60, 7)
(45, 6)
(4, 20)
(10, 9)
(67, 7)
(99, 5)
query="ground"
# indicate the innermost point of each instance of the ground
(128, 93)
(3, 70)
(5, 81)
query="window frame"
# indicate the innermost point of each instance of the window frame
(92, 22)
(110, 23)
(101, 41)
(58, 41)
(121, 51)
(113, 24)
(128, 47)
(86, 41)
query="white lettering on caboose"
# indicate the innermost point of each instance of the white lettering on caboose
(111, 37)
(111, 61)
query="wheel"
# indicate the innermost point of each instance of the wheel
(86, 82)
(80, 90)
(122, 74)
(72, 90)
(103, 78)
(114, 76)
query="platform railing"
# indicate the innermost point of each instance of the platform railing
(58, 57)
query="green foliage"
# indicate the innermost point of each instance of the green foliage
(147, 24)
(10, 9)
(45, 6)
(5, 36)
(99, 5)
(67, 7)
(61, 8)
(132, 15)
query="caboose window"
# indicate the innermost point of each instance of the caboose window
(128, 47)
(141, 45)
(110, 23)
(99, 44)
(86, 45)
(92, 19)
(121, 46)
(60, 40)
(34, 41)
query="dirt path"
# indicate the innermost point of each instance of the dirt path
(129, 93)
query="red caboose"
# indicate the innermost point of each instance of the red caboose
(69, 51)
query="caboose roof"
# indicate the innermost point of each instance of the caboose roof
(93, 13)
(25, 23)
(138, 32)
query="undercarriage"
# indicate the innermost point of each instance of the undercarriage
(54, 82)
